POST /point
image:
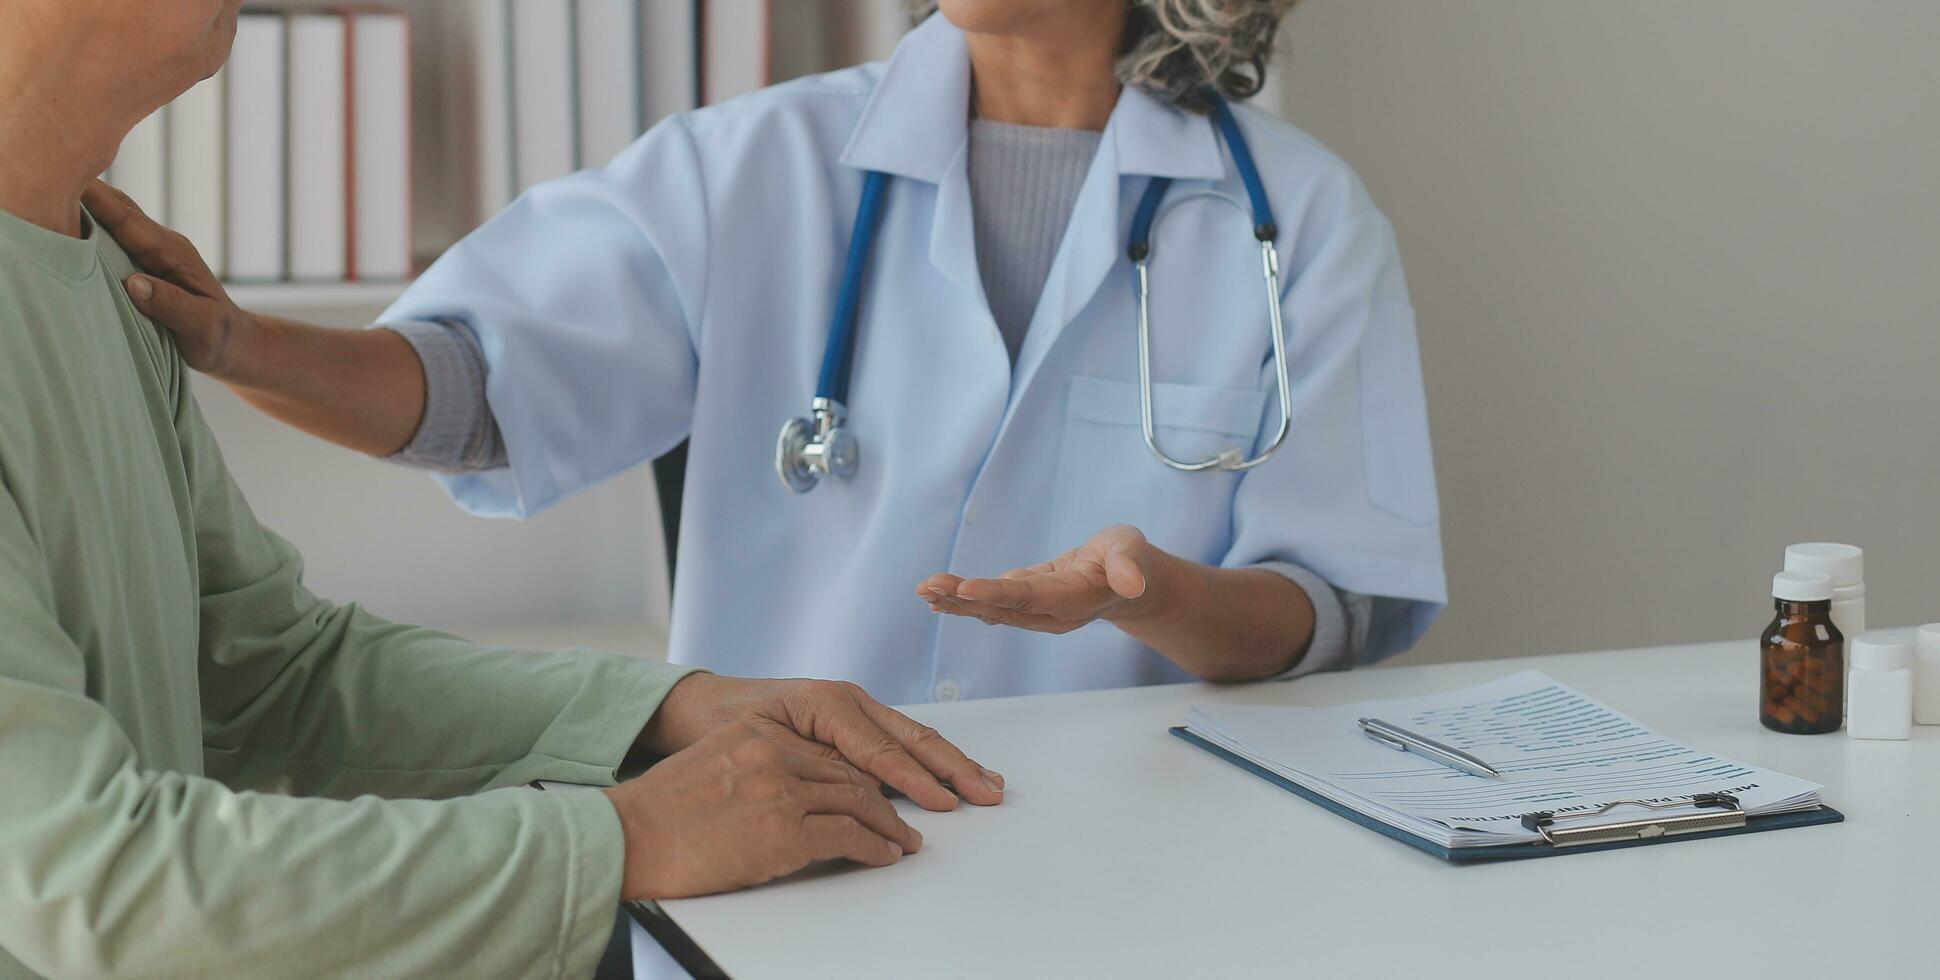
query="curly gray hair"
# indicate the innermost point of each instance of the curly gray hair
(1176, 49)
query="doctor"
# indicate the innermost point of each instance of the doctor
(1005, 527)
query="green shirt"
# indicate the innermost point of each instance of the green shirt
(207, 771)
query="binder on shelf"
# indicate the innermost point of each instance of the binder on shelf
(734, 48)
(140, 169)
(256, 149)
(545, 129)
(670, 58)
(319, 201)
(481, 94)
(198, 157)
(609, 82)
(379, 130)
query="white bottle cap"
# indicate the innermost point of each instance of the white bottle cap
(1802, 586)
(1928, 639)
(1879, 651)
(1845, 563)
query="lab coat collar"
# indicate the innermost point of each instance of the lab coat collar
(1159, 140)
(917, 119)
(916, 122)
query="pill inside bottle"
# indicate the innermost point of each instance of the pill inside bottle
(1802, 658)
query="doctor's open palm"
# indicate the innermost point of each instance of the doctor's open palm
(1100, 579)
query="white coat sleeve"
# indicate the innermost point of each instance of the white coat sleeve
(1351, 494)
(585, 296)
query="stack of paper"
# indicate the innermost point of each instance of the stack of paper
(1557, 750)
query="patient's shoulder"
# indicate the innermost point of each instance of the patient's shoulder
(153, 347)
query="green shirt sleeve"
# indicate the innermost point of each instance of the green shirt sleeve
(313, 698)
(111, 869)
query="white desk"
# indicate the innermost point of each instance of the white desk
(1125, 852)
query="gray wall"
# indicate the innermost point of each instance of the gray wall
(1677, 268)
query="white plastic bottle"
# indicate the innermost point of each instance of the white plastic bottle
(1926, 675)
(1879, 691)
(1847, 566)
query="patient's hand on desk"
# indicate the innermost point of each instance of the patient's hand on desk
(739, 808)
(831, 720)
(764, 777)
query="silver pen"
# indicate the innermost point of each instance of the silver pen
(1396, 737)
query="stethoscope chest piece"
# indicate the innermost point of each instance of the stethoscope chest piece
(808, 450)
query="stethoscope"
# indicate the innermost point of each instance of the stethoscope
(809, 450)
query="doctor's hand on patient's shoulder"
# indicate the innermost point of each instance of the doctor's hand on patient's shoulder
(178, 292)
(1101, 579)
(361, 389)
(830, 720)
(739, 808)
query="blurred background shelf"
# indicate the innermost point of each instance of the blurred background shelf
(336, 303)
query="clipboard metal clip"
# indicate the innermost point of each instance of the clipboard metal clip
(1725, 814)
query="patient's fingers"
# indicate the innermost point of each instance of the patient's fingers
(829, 837)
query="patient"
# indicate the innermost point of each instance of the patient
(207, 771)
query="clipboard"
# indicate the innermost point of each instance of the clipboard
(1721, 817)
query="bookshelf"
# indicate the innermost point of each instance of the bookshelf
(441, 212)
(591, 571)
(461, 76)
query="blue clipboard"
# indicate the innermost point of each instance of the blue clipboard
(1509, 852)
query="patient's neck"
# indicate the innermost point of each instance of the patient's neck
(52, 141)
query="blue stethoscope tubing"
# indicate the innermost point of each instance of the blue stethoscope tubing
(811, 449)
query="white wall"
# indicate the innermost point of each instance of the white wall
(589, 572)
(1677, 268)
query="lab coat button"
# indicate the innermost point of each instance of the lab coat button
(947, 690)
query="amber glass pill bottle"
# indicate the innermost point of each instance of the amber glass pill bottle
(1802, 658)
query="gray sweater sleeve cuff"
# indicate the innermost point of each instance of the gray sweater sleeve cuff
(458, 433)
(1340, 622)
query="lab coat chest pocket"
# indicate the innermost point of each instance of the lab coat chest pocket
(1107, 475)
(1394, 416)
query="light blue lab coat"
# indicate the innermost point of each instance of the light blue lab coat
(686, 289)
